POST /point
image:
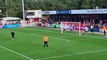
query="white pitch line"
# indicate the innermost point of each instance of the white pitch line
(72, 54)
(16, 53)
(72, 34)
(68, 34)
(53, 37)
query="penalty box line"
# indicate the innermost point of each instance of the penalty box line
(81, 53)
(52, 37)
(16, 53)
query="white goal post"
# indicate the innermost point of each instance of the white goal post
(71, 26)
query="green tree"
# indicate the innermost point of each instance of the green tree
(14, 7)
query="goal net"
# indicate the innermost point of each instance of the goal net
(72, 26)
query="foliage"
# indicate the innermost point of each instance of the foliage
(14, 7)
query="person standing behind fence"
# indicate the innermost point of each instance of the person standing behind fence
(45, 38)
(92, 29)
(104, 29)
(86, 30)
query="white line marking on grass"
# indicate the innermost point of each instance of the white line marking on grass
(70, 34)
(60, 39)
(16, 53)
(72, 54)
(52, 37)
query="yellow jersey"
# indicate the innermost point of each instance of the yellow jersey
(45, 38)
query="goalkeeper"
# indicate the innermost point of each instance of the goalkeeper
(45, 38)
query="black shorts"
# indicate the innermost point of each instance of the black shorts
(45, 42)
(104, 31)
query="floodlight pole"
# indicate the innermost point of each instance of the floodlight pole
(23, 8)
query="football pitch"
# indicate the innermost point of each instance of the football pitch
(28, 45)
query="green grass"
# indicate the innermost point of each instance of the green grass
(66, 46)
